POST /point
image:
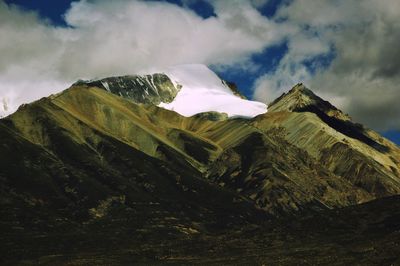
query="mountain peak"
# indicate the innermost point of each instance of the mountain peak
(299, 87)
(300, 99)
(186, 89)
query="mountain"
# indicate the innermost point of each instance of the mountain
(177, 166)
(186, 89)
(347, 149)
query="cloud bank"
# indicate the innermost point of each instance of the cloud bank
(345, 50)
(119, 37)
(362, 39)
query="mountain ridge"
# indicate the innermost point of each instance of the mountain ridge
(90, 158)
(198, 149)
(315, 125)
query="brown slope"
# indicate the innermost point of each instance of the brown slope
(276, 175)
(61, 178)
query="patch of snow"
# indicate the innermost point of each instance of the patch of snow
(152, 83)
(7, 104)
(105, 85)
(203, 91)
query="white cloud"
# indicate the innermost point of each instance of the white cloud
(364, 75)
(291, 69)
(120, 37)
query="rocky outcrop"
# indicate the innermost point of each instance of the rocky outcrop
(148, 89)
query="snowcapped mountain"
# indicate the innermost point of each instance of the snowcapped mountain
(185, 89)
(203, 91)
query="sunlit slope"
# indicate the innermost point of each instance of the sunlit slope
(57, 178)
(80, 108)
(347, 149)
(263, 167)
(197, 139)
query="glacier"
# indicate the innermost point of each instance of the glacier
(203, 91)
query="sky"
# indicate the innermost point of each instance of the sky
(346, 51)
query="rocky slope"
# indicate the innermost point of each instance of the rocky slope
(277, 175)
(186, 89)
(347, 149)
(151, 89)
(101, 162)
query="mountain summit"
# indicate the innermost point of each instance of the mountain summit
(300, 98)
(185, 89)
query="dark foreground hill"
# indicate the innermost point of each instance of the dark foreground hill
(367, 234)
(92, 177)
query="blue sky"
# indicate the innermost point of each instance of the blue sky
(264, 46)
(52, 10)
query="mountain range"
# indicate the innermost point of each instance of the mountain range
(179, 167)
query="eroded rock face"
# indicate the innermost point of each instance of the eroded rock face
(345, 148)
(148, 89)
(300, 98)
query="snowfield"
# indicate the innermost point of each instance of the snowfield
(203, 91)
